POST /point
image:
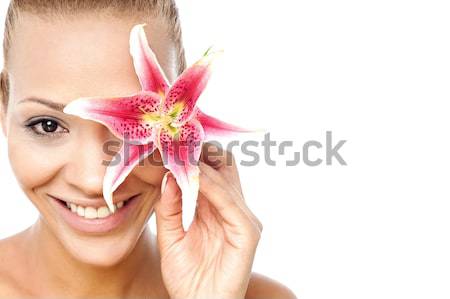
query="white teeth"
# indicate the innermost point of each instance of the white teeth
(91, 212)
(80, 211)
(103, 212)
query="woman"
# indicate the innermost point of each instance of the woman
(59, 50)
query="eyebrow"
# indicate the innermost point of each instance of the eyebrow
(45, 102)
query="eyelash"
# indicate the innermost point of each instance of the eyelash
(36, 127)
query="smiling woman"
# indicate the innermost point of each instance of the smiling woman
(55, 52)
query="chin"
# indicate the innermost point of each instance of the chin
(104, 250)
(101, 251)
(101, 242)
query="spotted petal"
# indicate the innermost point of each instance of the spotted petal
(181, 152)
(183, 95)
(121, 166)
(124, 116)
(150, 74)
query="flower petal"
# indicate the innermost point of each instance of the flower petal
(121, 166)
(214, 127)
(181, 153)
(183, 95)
(124, 116)
(150, 74)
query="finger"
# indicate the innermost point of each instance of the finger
(221, 201)
(168, 212)
(222, 198)
(223, 161)
(235, 196)
(214, 155)
(205, 211)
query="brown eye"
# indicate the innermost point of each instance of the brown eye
(46, 127)
(49, 126)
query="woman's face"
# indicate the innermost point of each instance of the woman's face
(58, 158)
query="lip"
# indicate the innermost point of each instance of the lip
(99, 225)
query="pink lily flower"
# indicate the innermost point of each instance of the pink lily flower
(160, 117)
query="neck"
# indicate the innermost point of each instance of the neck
(61, 275)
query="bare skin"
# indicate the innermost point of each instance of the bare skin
(88, 56)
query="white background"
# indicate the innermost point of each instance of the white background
(376, 73)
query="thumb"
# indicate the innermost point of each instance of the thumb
(168, 209)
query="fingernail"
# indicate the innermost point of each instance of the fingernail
(164, 182)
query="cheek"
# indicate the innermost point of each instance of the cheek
(151, 170)
(33, 163)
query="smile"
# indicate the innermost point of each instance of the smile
(93, 212)
(95, 219)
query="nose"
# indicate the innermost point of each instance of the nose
(93, 147)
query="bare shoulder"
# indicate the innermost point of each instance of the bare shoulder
(9, 261)
(8, 287)
(263, 287)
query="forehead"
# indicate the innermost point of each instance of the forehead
(87, 55)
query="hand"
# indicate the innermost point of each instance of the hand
(214, 257)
